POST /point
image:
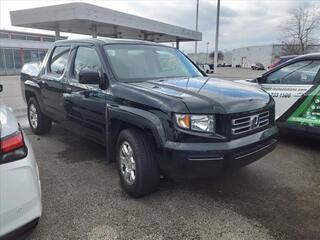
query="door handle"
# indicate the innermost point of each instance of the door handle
(43, 83)
(68, 90)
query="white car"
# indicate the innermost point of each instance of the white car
(295, 87)
(20, 191)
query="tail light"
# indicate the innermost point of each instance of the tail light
(12, 147)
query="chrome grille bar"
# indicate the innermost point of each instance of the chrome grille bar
(249, 123)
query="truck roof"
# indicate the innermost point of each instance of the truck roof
(107, 41)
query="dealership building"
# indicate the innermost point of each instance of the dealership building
(17, 48)
(265, 54)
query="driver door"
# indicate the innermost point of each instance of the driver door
(86, 103)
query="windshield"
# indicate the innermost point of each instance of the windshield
(136, 63)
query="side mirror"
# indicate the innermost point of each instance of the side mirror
(260, 79)
(104, 82)
(89, 77)
(203, 72)
(1, 88)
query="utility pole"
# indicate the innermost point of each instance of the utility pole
(196, 42)
(207, 52)
(217, 39)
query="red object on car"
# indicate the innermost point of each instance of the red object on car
(281, 60)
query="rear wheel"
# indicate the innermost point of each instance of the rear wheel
(137, 165)
(39, 123)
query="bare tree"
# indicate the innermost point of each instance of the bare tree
(301, 31)
(220, 56)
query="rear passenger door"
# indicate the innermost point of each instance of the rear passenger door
(86, 103)
(52, 82)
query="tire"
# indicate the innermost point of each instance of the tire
(145, 168)
(39, 123)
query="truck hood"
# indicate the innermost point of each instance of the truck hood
(209, 95)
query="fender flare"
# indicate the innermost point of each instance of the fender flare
(34, 88)
(137, 117)
(140, 118)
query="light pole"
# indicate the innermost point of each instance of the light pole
(196, 42)
(207, 52)
(217, 39)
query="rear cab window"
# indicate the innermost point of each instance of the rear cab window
(58, 60)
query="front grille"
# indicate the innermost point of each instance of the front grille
(247, 124)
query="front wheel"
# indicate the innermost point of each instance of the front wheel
(137, 165)
(39, 123)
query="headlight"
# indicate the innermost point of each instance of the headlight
(200, 123)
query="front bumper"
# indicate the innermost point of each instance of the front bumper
(206, 159)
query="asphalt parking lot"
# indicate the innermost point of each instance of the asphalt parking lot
(274, 198)
(277, 197)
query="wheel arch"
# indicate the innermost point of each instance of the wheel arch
(31, 91)
(122, 118)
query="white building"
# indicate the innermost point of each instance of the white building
(17, 48)
(200, 58)
(265, 54)
(203, 58)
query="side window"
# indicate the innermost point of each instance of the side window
(58, 60)
(303, 72)
(304, 75)
(86, 59)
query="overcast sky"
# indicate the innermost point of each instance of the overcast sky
(243, 22)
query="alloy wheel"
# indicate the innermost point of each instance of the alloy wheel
(127, 163)
(33, 116)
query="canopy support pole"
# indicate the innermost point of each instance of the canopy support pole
(94, 31)
(177, 44)
(57, 34)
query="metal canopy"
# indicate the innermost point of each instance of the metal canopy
(88, 19)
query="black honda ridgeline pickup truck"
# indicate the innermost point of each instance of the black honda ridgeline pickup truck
(153, 109)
